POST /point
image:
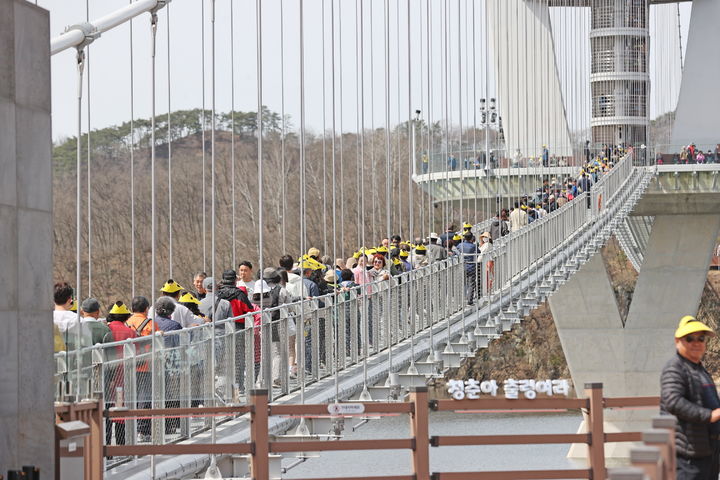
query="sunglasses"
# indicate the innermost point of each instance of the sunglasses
(693, 339)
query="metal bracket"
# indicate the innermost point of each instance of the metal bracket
(88, 29)
(160, 5)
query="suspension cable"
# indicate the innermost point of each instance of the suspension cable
(80, 61)
(89, 157)
(169, 142)
(259, 66)
(204, 127)
(213, 217)
(132, 161)
(232, 137)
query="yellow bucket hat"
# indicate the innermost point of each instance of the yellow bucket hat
(171, 286)
(119, 308)
(689, 324)
(188, 298)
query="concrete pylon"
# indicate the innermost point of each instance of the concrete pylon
(26, 240)
(530, 98)
(699, 99)
(628, 358)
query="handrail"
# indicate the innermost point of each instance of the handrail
(418, 409)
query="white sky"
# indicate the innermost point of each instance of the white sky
(110, 60)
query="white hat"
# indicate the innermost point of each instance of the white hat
(261, 286)
(434, 235)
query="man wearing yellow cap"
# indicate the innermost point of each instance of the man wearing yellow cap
(688, 392)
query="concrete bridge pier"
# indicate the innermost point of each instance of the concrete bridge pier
(627, 356)
(26, 240)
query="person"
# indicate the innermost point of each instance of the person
(164, 309)
(311, 290)
(245, 274)
(274, 279)
(139, 320)
(420, 259)
(485, 250)
(240, 306)
(498, 227)
(181, 314)
(63, 318)
(197, 283)
(518, 218)
(404, 260)
(468, 250)
(114, 373)
(294, 281)
(210, 306)
(98, 330)
(377, 272)
(545, 156)
(688, 392)
(448, 235)
(435, 252)
(143, 327)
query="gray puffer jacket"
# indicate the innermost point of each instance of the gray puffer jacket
(681, 395)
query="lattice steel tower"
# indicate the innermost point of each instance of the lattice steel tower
(619, 78)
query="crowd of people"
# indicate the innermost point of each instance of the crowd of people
(244, 296)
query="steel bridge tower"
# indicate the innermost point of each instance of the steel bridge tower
(619, 78)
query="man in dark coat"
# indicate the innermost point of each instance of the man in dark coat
(688, 392)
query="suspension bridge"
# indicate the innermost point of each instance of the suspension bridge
(429, 113)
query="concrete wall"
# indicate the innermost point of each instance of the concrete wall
(26, 345)
(696, 119)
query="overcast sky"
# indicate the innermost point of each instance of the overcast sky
(109, 66)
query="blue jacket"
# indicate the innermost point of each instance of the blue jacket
(468, 249)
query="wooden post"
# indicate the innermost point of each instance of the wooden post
(597, 431)
(660, 438)
(649, 460)
(93, 444)
(666, 423)
(419, 427)
(259, 463)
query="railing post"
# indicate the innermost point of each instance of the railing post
(259, 464)
(419, 427)
(648, 459)
(594, 393)
(94, 457)
(666, 442)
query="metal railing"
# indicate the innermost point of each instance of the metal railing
(606, 187)
(325, 335)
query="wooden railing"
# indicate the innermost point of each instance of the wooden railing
(656, 458)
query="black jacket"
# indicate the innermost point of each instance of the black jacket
(681, 395)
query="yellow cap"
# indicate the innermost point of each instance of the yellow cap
(404, 254)
(119, 309)
(467, 226)
(421, 248)
(171, 286)
(689, 324)
(357, 255)
(188, 298)
(73, 307)
(456, 238)
(371, 252)
(382, 249)
(396, 261)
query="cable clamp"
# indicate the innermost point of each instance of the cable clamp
(88, 30)
(159, 6)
